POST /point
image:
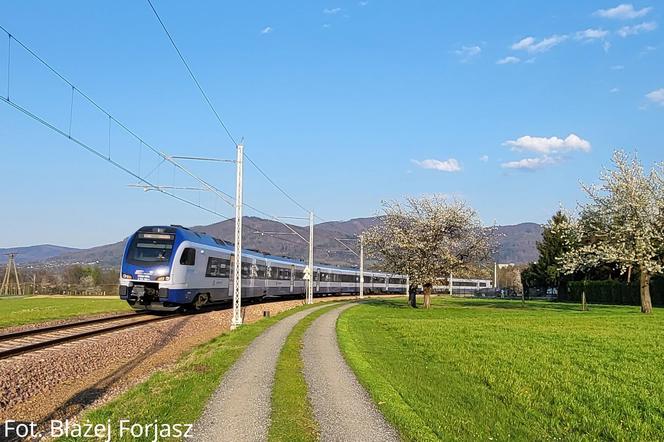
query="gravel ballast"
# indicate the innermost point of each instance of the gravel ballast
(240, 408)
(342, 407)
(63, 381)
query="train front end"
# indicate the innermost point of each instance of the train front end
(147, 266)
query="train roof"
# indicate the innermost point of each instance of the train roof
(203, 238)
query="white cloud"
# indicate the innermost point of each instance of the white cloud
(266, 30)
(622, 12)
(614, 90)
(466, 53)
(331, 11)
(549, 145)
(326, 26)
(509, 60)
(532, 46)
(591, 34)
(647, 50)
(363, 3)
(606, 46)
(626, 31)
(617, 67)
(450, 165)
(484, 158)
(656, 96)
(530, 163)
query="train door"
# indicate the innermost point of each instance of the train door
(292, 278)
(253, 271)
(268, 277)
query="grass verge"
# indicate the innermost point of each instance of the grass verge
(179, 395)
(494, 370)
(20, 311)
(292, 416)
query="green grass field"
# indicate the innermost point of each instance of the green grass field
(19, 311)
(292, 417)
(493, 370)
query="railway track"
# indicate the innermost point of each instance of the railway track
(25, 341)
(16, 343)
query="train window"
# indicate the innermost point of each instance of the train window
(217, 268)
(261, 271)
(150, 248)
(246, 270)
(348, 278)
(367, 279)
(299, 274)
(188, 257)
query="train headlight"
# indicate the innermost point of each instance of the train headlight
(126, 276)
(163, 278)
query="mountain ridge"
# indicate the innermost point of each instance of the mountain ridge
(517, 243)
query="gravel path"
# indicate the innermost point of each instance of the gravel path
(343, 409)
(240, 408)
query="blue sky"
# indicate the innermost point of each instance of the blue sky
(343, 103)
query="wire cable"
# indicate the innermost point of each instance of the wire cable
(191, 73)
(205, 96)
(103, 157)
(223, 195)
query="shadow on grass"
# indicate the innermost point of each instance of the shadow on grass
(502, 304)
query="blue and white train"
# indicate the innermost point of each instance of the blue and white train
(172, 267)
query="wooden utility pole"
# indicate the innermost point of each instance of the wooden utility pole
(5, 288)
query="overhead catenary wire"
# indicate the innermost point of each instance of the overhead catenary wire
(209, 102)
(191, 74)
(340, 241)
(113, 120)
(222, 195)
(109, 160)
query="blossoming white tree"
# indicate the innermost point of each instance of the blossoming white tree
(429, 237)
(623, 224)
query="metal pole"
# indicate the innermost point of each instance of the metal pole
(495, 275)
(450, 284)
(361, 266)
(310, 282)
(237, 264)
(18, 282)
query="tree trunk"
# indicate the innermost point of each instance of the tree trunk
(584, 305)
(427, 295)
(646, 303)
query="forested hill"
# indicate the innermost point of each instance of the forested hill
(517, 243)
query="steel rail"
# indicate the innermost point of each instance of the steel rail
(50, 328)
(28, 347)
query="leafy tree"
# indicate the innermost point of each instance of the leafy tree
(622, 225)
(547, 271)
(429, 237)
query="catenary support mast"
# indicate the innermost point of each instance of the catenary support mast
(237, 260)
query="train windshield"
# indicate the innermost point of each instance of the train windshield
(150, 248)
